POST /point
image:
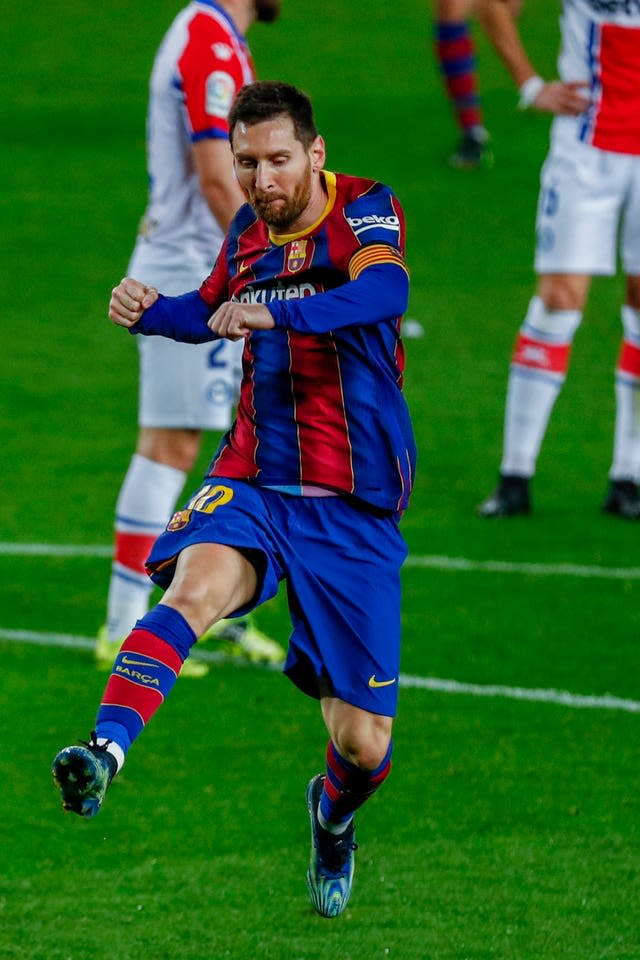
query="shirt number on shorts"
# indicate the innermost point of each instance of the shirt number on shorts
(215, 361)
(210, 497)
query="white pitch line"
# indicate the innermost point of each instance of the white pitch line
(560, 697)
(530, 569)
(434, 562)
(54, 550)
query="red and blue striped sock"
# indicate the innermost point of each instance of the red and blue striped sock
(456, 53)
(347, 787)
(143, 674)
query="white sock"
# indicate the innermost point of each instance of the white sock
(536, 377)
(115, 751)
(529, 405)
(335, 828)
(147, 498)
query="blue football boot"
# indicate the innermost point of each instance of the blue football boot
(330, 873)
(83, 773)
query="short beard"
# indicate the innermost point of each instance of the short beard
(267, 10)
(288, 212)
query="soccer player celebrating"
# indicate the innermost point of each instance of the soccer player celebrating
(309, 483)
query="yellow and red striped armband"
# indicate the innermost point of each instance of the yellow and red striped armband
(372, 255)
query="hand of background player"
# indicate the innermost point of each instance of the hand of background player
(129, 300)
(235, 320)
(563, 98)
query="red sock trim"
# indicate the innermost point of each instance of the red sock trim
(629, 359)
(132, 549)
(538, 355)
(144, 671)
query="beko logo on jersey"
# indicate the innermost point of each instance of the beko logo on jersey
(360, 224)
(630, 7)
(293, 291)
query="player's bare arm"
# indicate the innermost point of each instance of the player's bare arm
(498, 18)
(236, 320)
(129, 300)
(214, 166)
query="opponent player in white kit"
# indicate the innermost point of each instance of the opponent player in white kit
(588, 211)
(201, 64)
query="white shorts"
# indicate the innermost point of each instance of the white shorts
(183, 385)
(588, 209)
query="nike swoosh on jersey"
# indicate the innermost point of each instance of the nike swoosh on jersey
(380, 683)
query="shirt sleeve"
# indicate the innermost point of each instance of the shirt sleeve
(182, 318)
(378, 290)
(210, 75)
(215, 289)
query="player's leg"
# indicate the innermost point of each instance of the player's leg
(537, 373)
(344, 595)
(358, 762)
(623, 496)
(211, 580)
(456, 54)
(577, 222)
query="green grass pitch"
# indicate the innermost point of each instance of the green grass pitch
(509, 828)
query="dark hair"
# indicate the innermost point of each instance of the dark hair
(267, 99)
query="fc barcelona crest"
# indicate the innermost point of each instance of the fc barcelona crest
(297, 255)
(179, 521)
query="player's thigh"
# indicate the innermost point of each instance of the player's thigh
(211, 580)
(222, 512)
(579, 210)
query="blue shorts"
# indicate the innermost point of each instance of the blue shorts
(341, 563)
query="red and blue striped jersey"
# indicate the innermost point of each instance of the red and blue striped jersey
(321, 401)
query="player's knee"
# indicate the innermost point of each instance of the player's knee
(545, 321)
(365, 744)
(560, 292)
(198, 603)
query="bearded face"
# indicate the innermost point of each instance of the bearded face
(282, 210)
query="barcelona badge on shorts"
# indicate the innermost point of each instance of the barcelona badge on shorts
(179, 520)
